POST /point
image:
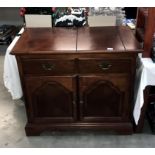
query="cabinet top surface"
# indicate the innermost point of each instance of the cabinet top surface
(74, 40)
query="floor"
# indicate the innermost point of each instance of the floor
(13, 120)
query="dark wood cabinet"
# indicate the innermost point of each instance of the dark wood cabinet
(80, 85)
(145, 29)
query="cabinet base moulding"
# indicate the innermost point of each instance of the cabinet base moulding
(120, 128)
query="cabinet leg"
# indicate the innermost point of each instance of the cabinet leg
(32, 131)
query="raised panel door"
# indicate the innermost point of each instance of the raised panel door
(104, 98)
(51, 99)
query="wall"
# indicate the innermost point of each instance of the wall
(10, 15)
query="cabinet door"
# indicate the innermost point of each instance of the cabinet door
(51, 99)
(104, 98)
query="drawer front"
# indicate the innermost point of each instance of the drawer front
(104, 66)
(48, 66)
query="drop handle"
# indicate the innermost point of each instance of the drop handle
(74, 102)
(48, 67)
(81, 102)
(104, 66)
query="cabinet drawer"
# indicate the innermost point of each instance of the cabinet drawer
(48, 66)
(104, 65)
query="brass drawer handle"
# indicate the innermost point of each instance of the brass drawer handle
(48, 67)
(104, 66)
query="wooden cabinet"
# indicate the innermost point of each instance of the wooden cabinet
(145, 28)
(86, 87)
